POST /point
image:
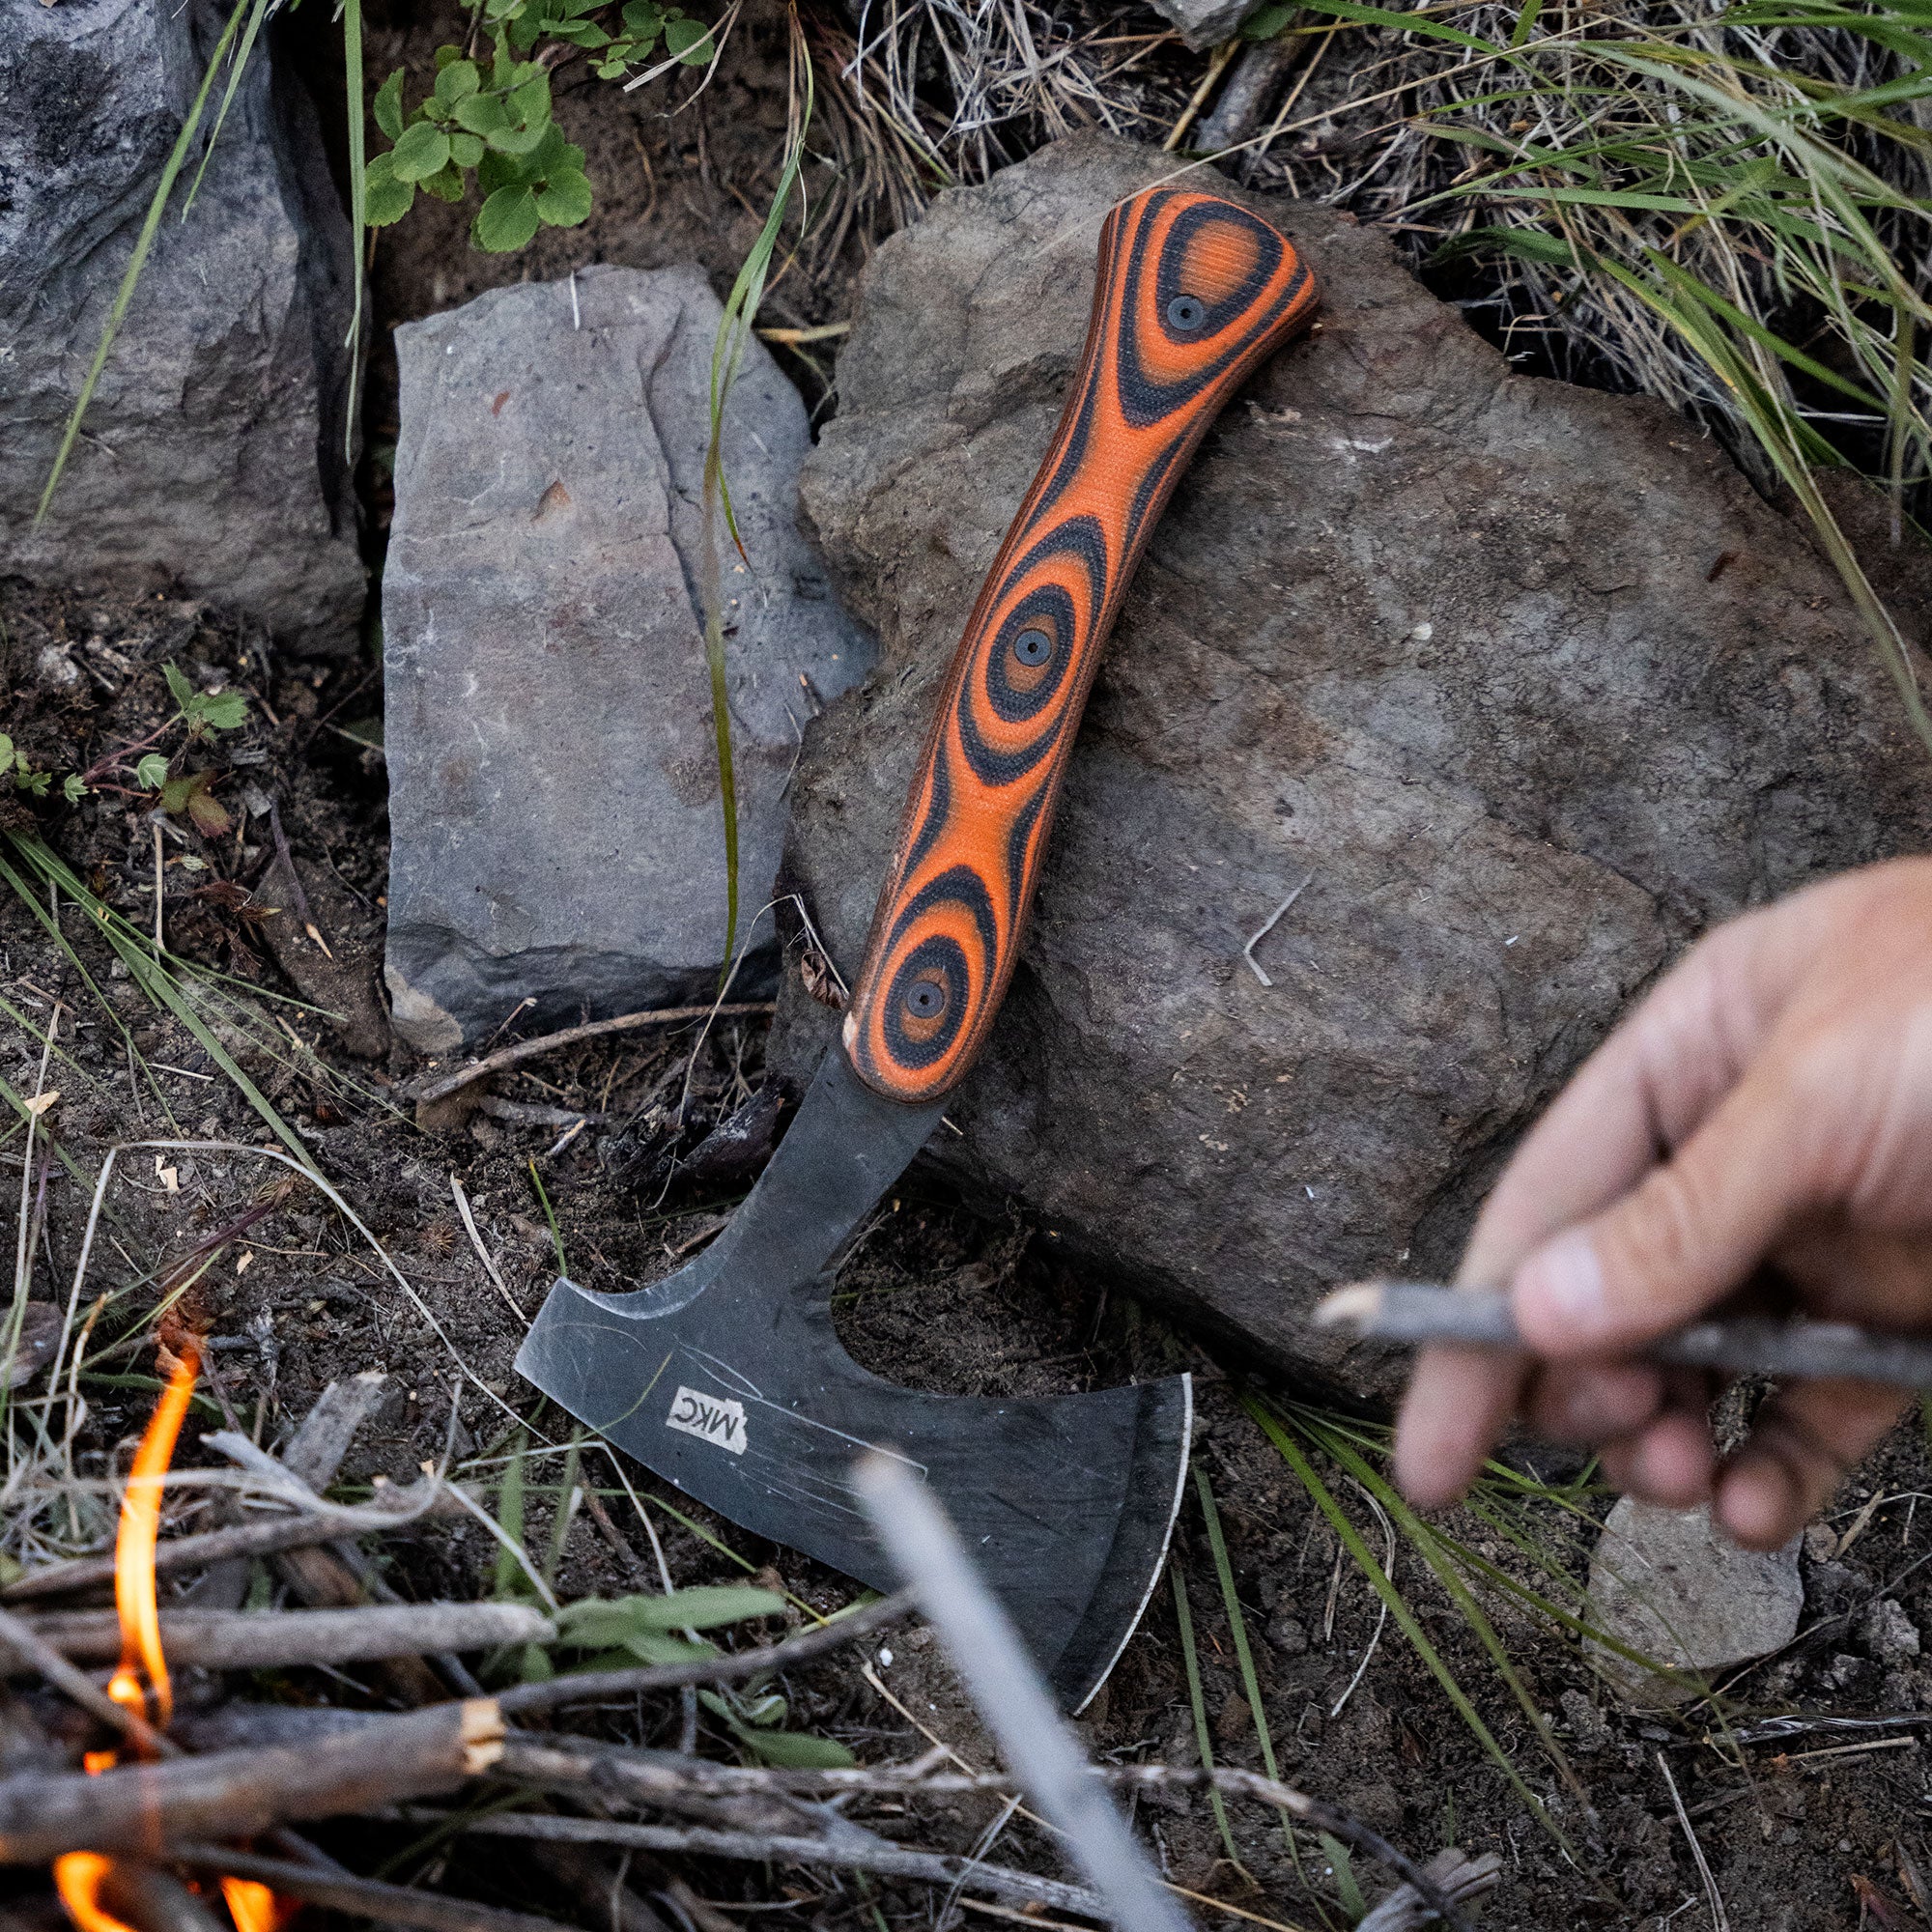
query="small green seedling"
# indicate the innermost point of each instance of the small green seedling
(490, 121)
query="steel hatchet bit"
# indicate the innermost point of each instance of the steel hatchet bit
(726, 1377)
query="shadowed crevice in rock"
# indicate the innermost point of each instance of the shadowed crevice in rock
(1452, 641)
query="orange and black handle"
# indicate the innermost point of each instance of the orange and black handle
(1192, 293)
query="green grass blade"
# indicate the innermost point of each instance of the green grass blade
(358, 227)
(1238, 1623)
(235, 73)
(139, 260)
(1366, 1561)
(735, 333)
(1190, 1658)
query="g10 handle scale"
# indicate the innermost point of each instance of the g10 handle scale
(1192, 293)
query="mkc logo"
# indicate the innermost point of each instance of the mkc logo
(710, 1418)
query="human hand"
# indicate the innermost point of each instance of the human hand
(1769, 1105)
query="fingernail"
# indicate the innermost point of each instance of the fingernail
(1559, 1292)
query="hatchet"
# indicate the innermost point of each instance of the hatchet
(726, 1377)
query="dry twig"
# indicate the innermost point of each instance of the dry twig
(234, 1794)
(441, 1086)
(264, 1639)
(362, 1897)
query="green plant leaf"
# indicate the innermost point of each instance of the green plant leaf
(644, 18)
(1269, 22)
(447, 55)
(481, 113)
(457, 81)
(1346, 1890)
(178, 688)
(600, 1621)
(506, 221)
(224, 710)
(151, 771)
(564, 200)
(793, 1750)
(208, 813)
(466, 150)
(387, 106)
(683, 39)
(423, 150)
(6, 751)
(446, 184)
(72, 789)
(384, 198)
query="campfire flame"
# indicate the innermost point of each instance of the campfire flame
(141, 1684)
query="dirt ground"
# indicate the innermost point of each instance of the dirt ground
(1819, 1830)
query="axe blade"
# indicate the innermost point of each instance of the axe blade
(727, 1378)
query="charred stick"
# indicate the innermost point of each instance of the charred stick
(265, 1640)
(587, 1686)
(151, 1900)
(264, 1538)
(1418, 1312)
(441, 1086)
(34, 1653)
(362, 1897)
(236, 1794)
(849, 1849)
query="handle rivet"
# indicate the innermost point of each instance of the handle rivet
(1186, 313)
(1032, 648)
(924, 999)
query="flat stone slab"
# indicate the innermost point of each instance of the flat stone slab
(1520, 683)
(1676, 1589)
(558, 835)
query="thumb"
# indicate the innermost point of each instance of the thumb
(1687, 1234)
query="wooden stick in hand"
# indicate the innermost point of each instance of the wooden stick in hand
(1413, 1313)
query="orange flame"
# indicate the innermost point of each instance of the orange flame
(134, 1598)
(80, 1877)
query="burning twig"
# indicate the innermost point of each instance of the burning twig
(589, 1686)
(265, 1640)
(19, 1637)
(136, 1809)
(362, 1897)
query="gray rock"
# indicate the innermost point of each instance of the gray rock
(1888, 1632)
(1672, 1586)
(553, 790)
(211, 453)
(1205, 24)
(1521, 677)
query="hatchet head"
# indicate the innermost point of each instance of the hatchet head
(727, 1378)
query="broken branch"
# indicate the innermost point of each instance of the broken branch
(264, 1639)
(850, 1849)
(234, 1794)
(441, 1086)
